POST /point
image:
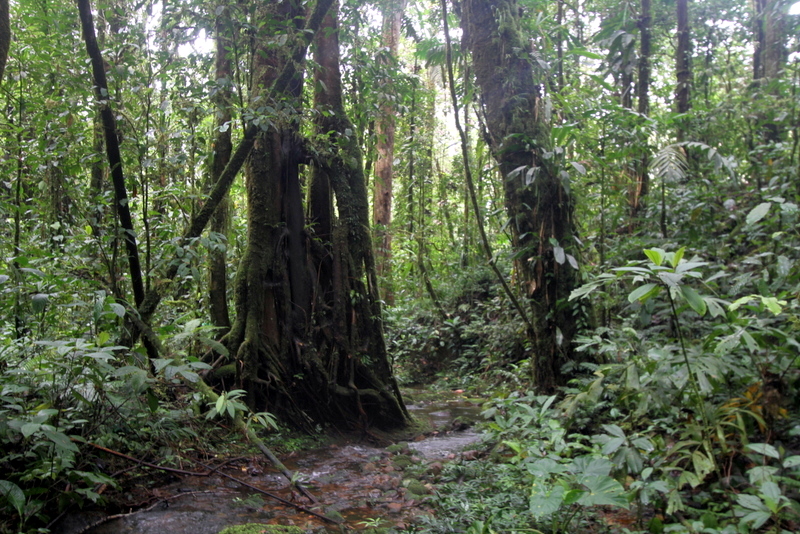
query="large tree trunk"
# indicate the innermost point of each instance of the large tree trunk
(537, 202)
(308, 332)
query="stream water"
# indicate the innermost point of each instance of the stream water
(366, 485)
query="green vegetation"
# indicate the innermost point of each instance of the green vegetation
(255, 528)
(591, 225)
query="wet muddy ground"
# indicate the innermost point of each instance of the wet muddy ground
(361, 485)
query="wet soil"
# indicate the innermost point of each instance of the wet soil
(360, 484)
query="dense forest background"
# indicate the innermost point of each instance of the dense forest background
(277, 213)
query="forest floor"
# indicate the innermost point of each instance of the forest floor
(374, 483)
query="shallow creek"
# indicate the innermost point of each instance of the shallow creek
(361, 482)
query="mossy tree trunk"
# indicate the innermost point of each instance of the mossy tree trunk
(537, 200)
(308, 336)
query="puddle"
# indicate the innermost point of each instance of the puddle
(361, 482)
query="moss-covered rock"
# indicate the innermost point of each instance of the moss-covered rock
(258, 528)
(400, 447)
(416, 487)
(402, 461)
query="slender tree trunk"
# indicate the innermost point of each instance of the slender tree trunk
(759, 8)
(384, 163)
(642, 185)
(683, 65)
(538, 204)
(223, 147)
(112, 150)
(5, 36)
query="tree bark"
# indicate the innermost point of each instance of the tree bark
(223, 147)
(642, 184)
(308, 337)
(112, 150)
(384, 163)
(5, 36)
(683, 65)
(537, 202)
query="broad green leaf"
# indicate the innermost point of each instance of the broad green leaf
(656, 255)
(751, 502)
(603, 490)
(614, 430)
(61, 440)
(773, 304)
(586, 467)
(572, 261)
(13, 494)
(672, 280)
(118, 309)
(30, 428)
(764, 448)
(758, 213)
(677, 257)
(760, 474)
(220, 403)
(559, 255)
(545, 500)
(578, 167)
(694, 299)
(612, 445)
(643, 292)
(40, 301)
(218, 347)
(791, 461)
(757, 519)
(771, 491)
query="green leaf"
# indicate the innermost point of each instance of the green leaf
(152, 401)
(545, 501)
(677, 257)
(643, 292)
(118, 309)
(757, 519)
(560, 256)
(603, 490)
(703, 465)
(612, 445)
(694, 299)
(30, 428)
(764, 448)
(758, 213)
(61, 440)
(773, 304)
(13, 494)
(614, 430)
(39, 301)
(656, 255)
(751, 502)
(791, 461)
